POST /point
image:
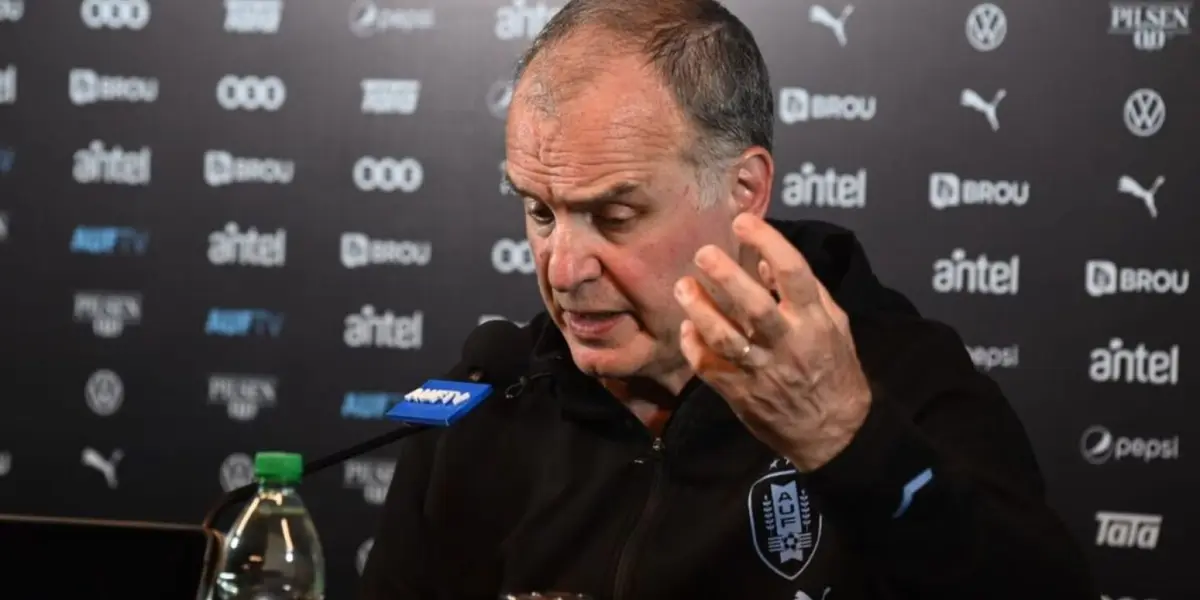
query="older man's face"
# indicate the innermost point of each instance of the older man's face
(612, 217)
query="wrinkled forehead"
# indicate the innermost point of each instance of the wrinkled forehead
(610, 102)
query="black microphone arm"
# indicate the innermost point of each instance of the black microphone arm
(244, 493)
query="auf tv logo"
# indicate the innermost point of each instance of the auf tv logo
(439, 402)
(109, 240)
(243, 322)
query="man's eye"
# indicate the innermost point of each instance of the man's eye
(538, 212)
(614, 216)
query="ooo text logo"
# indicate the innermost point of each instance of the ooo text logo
(388, 174)
(115, 14)
(511, 256)
(251, 93)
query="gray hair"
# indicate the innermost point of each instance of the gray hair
(704, 54)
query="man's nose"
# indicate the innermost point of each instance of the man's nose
(573, 261)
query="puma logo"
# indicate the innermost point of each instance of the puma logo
(971, 99)
(107, 466)
(1128, 185)
(821, 16)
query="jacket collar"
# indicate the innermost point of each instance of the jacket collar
(582, 396)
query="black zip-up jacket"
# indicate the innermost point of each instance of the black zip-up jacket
(555, 485)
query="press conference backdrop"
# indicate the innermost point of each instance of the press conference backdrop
(252, 224)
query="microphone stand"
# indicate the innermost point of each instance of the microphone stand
(245, 492)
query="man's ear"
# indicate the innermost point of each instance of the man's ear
(754, 174)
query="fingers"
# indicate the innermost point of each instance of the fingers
(750, 300)
(713, 328)
(703, 360)
(793, 277)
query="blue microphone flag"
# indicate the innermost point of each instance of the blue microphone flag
(439, 402)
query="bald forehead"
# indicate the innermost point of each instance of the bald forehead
(586, 85)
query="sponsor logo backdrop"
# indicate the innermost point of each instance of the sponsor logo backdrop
(250, 224)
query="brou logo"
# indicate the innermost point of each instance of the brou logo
(978, 276)
(1118, 364)
(947, 190)
(439, 402)
(808, 187)
(85, 87)
(1104, 278)
(358, 250)
(223, 168)
(797, 105)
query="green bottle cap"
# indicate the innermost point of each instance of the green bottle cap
(278, 466)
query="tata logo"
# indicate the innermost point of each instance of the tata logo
(439, 402)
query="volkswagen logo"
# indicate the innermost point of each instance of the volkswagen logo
(986, 27)
(1097, 444)
(251, 93)
(1145, 112)
(236, 471)
(104, 392)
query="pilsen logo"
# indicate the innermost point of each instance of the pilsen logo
(785, 528)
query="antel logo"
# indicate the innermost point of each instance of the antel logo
(1099, 446)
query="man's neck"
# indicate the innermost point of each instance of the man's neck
(651, 400)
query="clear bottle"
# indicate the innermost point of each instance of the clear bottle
(272, 551)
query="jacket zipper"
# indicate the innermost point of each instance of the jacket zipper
(633, 542)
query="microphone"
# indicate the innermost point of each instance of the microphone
(495, 351)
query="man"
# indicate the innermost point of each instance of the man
(714, 406)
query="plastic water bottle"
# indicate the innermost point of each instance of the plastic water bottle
(272, 551)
